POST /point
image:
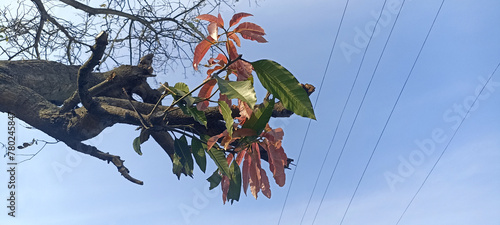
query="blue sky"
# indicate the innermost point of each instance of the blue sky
(461, 52)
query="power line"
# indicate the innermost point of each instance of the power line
(314, 107)
(349, 133)
(392, 110)
(336, 128)
(447, 145)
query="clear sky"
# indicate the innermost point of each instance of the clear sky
(460, 54)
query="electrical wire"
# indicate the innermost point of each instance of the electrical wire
(447, 145)
(314, 107)
(343, 148)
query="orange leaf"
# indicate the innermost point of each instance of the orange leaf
(220, 21)
(251, 27)
(235, 38)
(245, 110)
(200, 51)
(207, 17)
(253, 36)
(277, 160)
(231, 49)
(237, 17)
(213, 30)
(205, 92)
(264, 181)
(210, 71)
(212, 140)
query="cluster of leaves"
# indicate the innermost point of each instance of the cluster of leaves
(237, 150)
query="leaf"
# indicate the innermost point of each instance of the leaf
(198, 151)
(220, 21)
(182, 150)
(237, 17)
(251, 31)
(231, 49)
(264, 182)
(182, 87)
(197, 115)
(201, 49)
(137, 145)
(243, 90)
(243, 70)
(284, 86)
(214, 179)
(255, 174)
(207, 17)
(246, 172)
(226, 114)
(260, 117)
(213, 30)
(144, 136)
(220, 160)
(235, 38)
(245, 110)
(225, 187)
(177, 165)
(205, 92)
(234, 183)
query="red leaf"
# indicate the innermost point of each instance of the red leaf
(245, 110)
(220, 21)
(225, 187)
(237, 17)
(242, 69)
(200, 51)
(224, 98)
(211, 141)
(222, 59)
(231, 49)
(244, 132)
(210, 71)
(246, 172)
(250, 35)
(277, 156)
(205, 92)
(240, 156)
(255, 168)
(250, 27)
(207, 17)
(235, 38)
(213, 30)
(264, 182)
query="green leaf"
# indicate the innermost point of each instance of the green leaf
(284, 86)
(137, 145)
(242, 90)
(198, 150)
(226, 114)
(144, 136)
(196, 114)
(214, 179)
(220, 160)
(182, 150)
(182, 87)
(260, 117)
(177, 165)
(234, 183)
